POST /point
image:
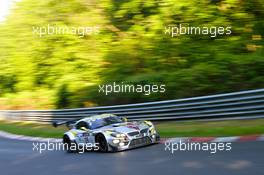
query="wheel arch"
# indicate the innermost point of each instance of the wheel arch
(99, 134)
(69, 135)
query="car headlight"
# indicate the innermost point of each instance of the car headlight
(118, 135)
(152, 131)
(116, 141)
(121, 144)
(149, 123)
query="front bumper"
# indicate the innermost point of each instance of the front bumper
(135, 142)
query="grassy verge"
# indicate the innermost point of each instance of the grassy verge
(213, 128)
(166, 129)
(32, 129)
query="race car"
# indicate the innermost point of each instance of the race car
(109, 133)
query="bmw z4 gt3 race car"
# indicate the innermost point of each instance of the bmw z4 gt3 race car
(110, 133)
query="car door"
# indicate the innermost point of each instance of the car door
(83, 132)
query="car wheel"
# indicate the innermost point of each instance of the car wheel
(103, 146)
(70, 146)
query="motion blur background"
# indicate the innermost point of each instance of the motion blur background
(64, 71)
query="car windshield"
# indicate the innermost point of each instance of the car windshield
(100, 122)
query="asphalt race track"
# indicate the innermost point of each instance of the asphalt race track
(17, 157)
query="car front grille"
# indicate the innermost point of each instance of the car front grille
(133, 133)
(139, 142)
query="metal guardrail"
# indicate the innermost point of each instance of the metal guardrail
(236, 105)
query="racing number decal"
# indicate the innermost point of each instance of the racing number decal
(83, 137)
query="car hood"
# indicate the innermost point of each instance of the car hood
(126, 127)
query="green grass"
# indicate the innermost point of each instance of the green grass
(213, 128)
(166, 129)
(32, 129)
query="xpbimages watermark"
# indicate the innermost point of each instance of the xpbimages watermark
(42, 31)
(59, 146)
(146, 89)
(185, 29)
(212, 147)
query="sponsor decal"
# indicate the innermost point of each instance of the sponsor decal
(133, 126)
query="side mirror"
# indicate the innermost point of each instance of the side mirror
(84, 129)
(124, 119)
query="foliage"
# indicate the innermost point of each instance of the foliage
(131, 47)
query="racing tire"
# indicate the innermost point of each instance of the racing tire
(102, 143)
(70, 145)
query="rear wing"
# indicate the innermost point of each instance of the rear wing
(68, 123)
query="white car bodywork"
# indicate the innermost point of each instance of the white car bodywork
(119, 135)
